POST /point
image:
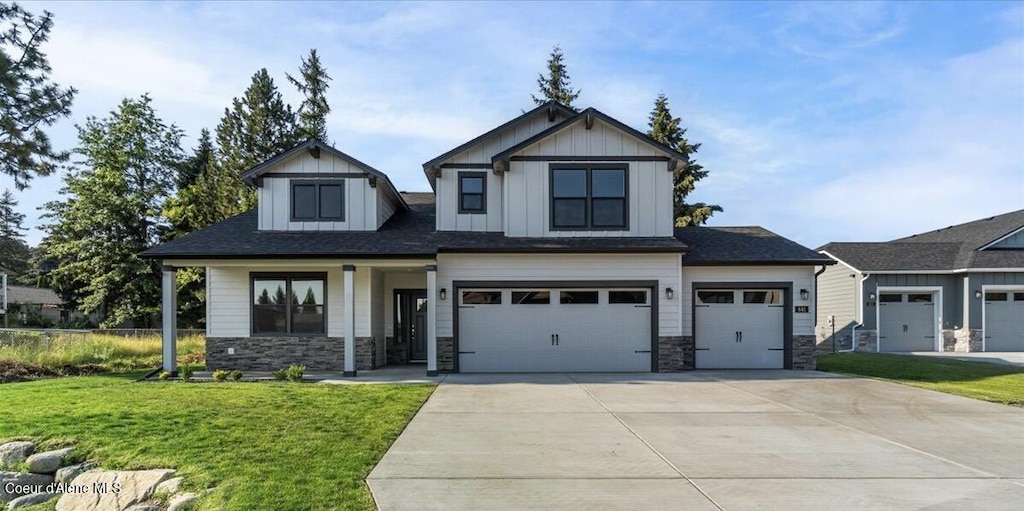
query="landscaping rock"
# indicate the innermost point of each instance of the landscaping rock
(133, 487)
(170, 486)
(182, 501)
(68, 474)
(16, 484)
(47, 462)
(145, 507)
(30, 500)
(13, 453)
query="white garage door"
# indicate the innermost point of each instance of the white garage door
(740, 329)
(1004, 321)
(906, 321)
(554, 330)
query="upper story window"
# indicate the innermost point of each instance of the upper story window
(589, 197)
(318, 200)
(472, 192)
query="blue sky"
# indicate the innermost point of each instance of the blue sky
(820, 121)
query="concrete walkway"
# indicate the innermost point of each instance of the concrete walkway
(1014, 358)
(701, 440)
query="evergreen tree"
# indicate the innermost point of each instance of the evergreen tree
(668, 130)
(313, 85)
(556, 86)
(199, 163)
(14, 252)
(29, 101)
(110, 211)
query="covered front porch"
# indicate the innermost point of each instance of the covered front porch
(341, 316)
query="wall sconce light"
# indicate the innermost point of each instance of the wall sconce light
(444, 293)
(669, 293)
(804, 294)
(871, 297)
(977, 294)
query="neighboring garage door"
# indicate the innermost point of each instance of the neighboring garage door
(1004, 321)
(554, 330)
(906, 321)
(740, 329)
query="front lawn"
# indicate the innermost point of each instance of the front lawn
(980, 380)
(258, 445)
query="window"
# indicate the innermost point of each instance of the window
(531, 297)
(318, 200)
(890, 298)
(704, 297)
(577, 297)
(919, 298)
(472, 192)
(1018, 297)
(634, 297)
(481, 297)
(995, 297)
(591, 197)
(768, 297)
(288, 303)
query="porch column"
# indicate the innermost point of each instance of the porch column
(349, 313)
(432, 320)
(169, 320)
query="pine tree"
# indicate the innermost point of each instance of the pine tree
(14, 252)
(110, 211)
(556, 86)
(199, 163)
(668, 130)
(314, 108)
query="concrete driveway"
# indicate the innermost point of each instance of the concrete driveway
(703, 440)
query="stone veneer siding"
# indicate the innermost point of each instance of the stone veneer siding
(867, 340)
(273, 353)
(676, 354)
(445, 354)
(961, 340)
(398, 351)
(804, 347)
(366, 353)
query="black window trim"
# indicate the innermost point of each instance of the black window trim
(588, 213)
(287, 277)
(317, 183)
(483, 193)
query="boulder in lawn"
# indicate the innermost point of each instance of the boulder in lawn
(29, 500)
(112, 489)
(47, 462)
(16, 484)
(68, 474)
(13, 453)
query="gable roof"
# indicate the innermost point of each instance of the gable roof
(551, 107)
(588, 115)
(744, 245)
(957, 247)
(251, 176)
(35, 295)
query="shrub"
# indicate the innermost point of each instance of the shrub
(294, 372)
(185, 372)
(281, 374)
(165, 375)
(236, 375)
(221, 375)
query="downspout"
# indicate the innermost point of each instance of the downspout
(860, 314)
(819, 272)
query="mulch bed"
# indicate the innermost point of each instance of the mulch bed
(17, 371)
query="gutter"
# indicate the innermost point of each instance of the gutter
(860, 314)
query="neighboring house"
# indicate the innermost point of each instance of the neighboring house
(547, 244)
(955, 289)
(24, 301)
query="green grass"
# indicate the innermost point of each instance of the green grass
(257, 445)
(979, 380)
(115, 353)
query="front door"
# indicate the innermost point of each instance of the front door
(417, 331)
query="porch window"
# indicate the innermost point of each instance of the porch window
(288, 303)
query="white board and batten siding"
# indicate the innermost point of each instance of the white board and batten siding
(527, 184)
(802, 277)
(366, 207)
(229, 289)
(448, 217)
(664, 268)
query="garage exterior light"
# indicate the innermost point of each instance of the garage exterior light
(444, 293)
(669, 293)
(871, 297)
(804, 294)
(977, 294)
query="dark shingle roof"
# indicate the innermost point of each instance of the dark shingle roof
(743, 245)
(951, 248)
(407, 234)
(419, 197)
(35, 295)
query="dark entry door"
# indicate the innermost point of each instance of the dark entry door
(411, 322)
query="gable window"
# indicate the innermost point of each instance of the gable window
(318, 200)
(288, 303)
(589, 197)
(472, 192)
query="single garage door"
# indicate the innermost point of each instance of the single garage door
(740, 329)
(906, 322)
(554, 330)
(1004, 321)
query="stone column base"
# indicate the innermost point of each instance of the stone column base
(676, 354)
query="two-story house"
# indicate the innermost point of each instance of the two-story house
(547, 244)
